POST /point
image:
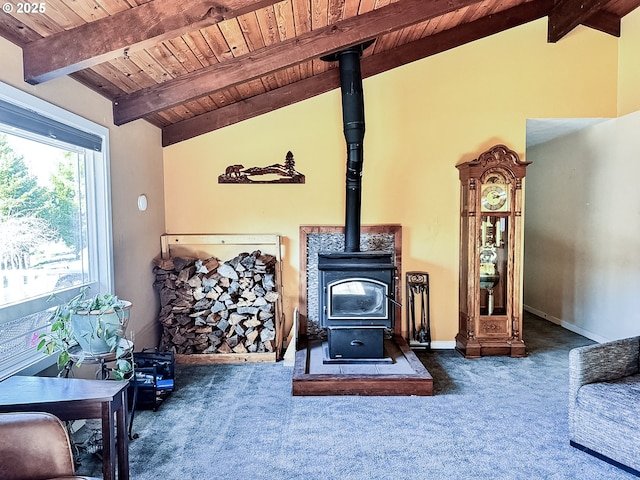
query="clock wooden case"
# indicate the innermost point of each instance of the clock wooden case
(491, 204)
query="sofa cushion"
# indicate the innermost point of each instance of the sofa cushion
(617, 400)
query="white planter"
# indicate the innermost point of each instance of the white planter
(92, 330)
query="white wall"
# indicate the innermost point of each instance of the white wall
(582, 248)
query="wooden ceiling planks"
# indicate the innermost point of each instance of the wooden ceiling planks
(266, 61)
(260, 30)
(110, 73)
(98, 83)
(145, 62)
(130, 30)
(248, 43)
(111, 7)
(200, 48)
(214, 42)
(42, 24)
(470, 11)
(319, 19)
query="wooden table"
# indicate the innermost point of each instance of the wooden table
(74, 399)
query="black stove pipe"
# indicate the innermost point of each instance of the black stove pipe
(353, 122)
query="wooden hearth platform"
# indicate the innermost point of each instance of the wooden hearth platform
(404, 376)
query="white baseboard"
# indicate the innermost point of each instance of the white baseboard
(542, 314)
(564, 324)
(443, 345)
(435, 345)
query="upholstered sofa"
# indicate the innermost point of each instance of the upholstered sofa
(35, 446)
(604, 401)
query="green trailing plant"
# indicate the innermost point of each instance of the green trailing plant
(67, 331)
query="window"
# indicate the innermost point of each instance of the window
(55, 219)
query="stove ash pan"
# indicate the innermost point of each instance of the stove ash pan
(356, 289)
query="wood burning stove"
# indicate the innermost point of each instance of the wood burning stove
(355, 295)
(355, 288)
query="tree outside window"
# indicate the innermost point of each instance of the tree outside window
(41, 218)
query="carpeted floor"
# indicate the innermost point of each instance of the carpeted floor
(490, 418)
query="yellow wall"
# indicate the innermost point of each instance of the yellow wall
(136, 167)
(422, 119)
(629, 67)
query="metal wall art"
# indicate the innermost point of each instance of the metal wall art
(276, 173)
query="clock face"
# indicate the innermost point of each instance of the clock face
(494, 197)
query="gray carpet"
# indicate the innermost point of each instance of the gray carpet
(490, 418)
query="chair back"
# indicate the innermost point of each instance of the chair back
(34, 446)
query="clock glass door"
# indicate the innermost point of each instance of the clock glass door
(493, 257)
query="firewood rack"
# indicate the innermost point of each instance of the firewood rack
(197, 244)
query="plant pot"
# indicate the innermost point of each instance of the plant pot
(98, 333)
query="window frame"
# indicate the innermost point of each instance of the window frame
(99, 224)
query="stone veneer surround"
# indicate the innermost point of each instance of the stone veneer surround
(315, 239)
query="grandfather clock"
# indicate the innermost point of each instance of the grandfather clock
(491, 204)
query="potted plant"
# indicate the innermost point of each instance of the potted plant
(97, 324)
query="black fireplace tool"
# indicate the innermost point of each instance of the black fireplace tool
(418, 286)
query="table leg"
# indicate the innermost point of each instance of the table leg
(108, 442)
(122, 437)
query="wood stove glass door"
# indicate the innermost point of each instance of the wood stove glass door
(357, 298)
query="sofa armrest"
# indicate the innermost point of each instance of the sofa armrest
(602, 362)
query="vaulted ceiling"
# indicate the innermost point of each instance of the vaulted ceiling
(193, 66)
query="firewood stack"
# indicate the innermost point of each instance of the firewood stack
(209, 307)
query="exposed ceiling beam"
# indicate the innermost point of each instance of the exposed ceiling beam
(288, 53)
(96, 42)
(371, 65)
(568, 14)
(14, 31)
(605, 22)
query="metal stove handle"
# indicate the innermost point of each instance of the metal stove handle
(398, 304)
